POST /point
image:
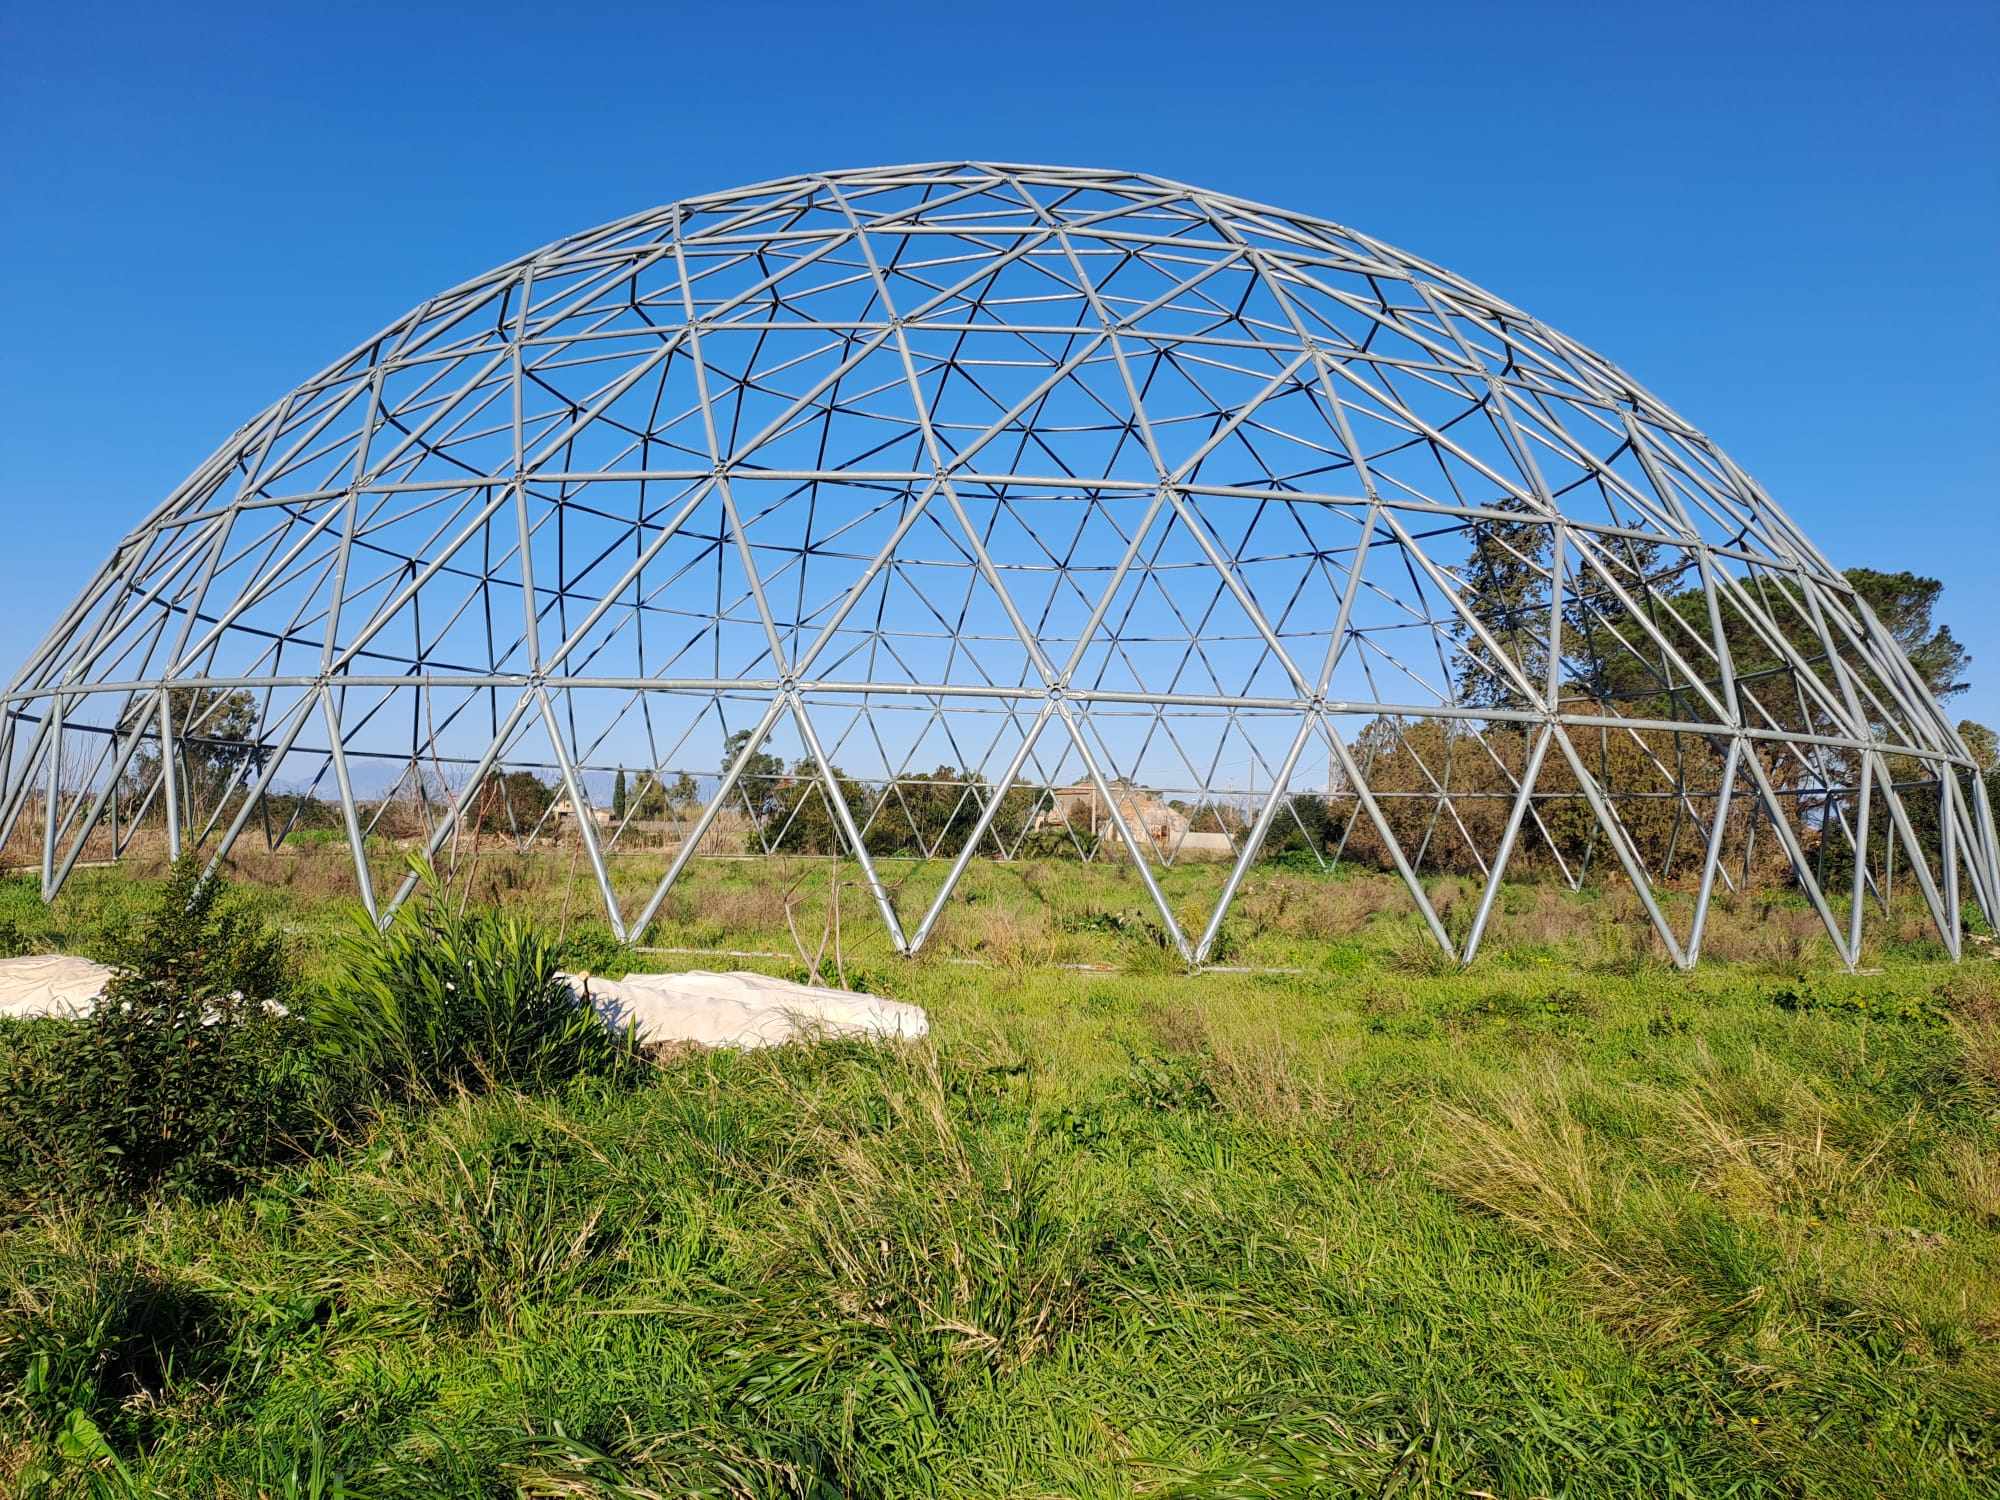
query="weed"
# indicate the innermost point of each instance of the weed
(102, 1342)
(1177, 1083)
(1417, 953)
(446, 1000)
(1859, 1005)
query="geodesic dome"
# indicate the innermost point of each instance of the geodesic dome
(936, 512)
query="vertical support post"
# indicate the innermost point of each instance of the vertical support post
(51, 794)
(1862, 814)
(1948, 834)
(169, 773)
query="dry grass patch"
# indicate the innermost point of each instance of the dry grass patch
(1523, 1154)
(1764, 1140)
(1756, 931)
(1317, 906)
(1742, 1211)
(1251, 1072)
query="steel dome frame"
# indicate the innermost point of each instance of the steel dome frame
(897, 452)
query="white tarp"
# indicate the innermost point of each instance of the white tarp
(716, 1010)
(63, 985)
(741, 1009)
(50, 984)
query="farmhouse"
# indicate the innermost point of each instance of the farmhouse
(1151, 818)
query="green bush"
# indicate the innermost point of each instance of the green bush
(593, 950)
(193, 944)
(445, 1000)
(186, 1077)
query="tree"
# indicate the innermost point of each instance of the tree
(1306, 823)
(652, 798)
(215, 733)
(935, 813)
(792, 811)
(618, 796)
(513, 801)
(187, 1075)
(648, 799)
(1609, 657)
(762, 773)
(1506, 588)
(1984, 744)
(1598, 635)
(1905, 604)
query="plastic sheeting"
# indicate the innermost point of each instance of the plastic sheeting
(742, 1009)
(714, 1010)
(50, 984)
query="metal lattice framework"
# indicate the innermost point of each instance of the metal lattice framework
(1122, 503)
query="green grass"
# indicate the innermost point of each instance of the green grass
(1568, 1222)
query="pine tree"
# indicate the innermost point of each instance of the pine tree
(1607, 655)
(1506, 587)
(618, 795)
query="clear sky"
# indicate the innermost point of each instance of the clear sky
(1785, 220)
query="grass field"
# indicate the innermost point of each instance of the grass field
(1342, 1219)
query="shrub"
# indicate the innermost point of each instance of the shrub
(592, 950)
(193, 944)
(1170, 1084)
(444, 1000)
(187, 1076)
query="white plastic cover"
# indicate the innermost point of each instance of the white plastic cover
(742, 1010)
(716, 1010)
(50, 984)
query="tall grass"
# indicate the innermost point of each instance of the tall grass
(447, 999)
(1746, 1218)
(1560, 1222)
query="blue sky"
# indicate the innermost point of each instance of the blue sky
(1782, 219)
